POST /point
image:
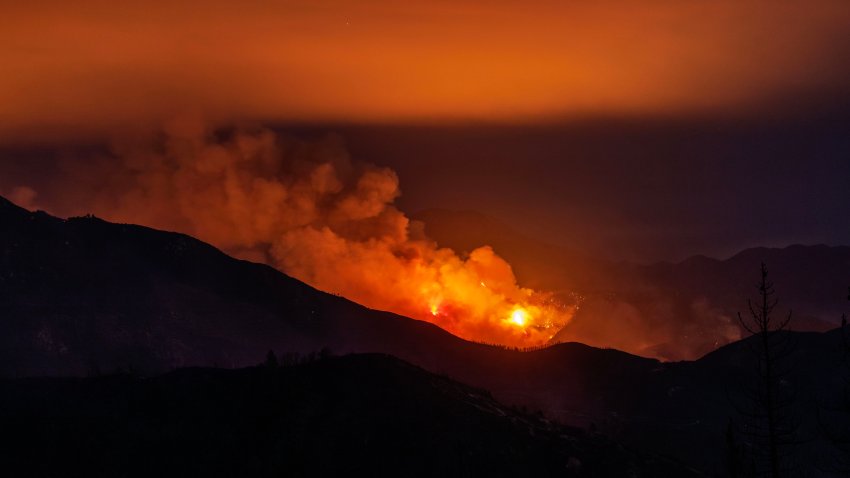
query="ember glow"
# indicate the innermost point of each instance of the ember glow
(309, 210)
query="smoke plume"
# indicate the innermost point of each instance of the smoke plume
(307, 209)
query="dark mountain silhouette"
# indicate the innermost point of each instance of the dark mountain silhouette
(670, 311)
(358, 415)
(83, 293)
(84, 296)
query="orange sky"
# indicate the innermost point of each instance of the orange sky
(66, 67)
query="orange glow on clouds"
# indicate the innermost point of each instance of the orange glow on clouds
(92, 65)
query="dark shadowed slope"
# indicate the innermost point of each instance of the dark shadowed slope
(82, 293)
(683, 408)
(359, 415)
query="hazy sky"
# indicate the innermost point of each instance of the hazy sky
(647, 129)
(97, 63)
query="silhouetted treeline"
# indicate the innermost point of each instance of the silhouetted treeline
(290, 359)
(515, 348)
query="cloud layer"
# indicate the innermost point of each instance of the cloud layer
(86, 68)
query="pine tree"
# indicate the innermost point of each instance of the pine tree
(768, 428)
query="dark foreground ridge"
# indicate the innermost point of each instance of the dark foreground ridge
(84, 296)
(358, 415)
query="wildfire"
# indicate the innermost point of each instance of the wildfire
(519, 317)
(311, 212)
(503, 322)
(498, 312)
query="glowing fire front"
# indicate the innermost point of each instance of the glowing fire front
(307, 209)
(498, 311)
(474, 297)
(519, 317)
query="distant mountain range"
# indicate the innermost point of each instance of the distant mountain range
(86, 297)
(671, 311)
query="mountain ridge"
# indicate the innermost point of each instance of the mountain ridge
(84, 296)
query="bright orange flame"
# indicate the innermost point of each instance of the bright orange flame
(519, 317)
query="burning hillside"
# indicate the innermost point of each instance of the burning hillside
(309, 210)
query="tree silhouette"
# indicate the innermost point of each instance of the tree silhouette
(735, 461)
(767, 430)
(842, 441)
(835, 417)
(271, 360)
